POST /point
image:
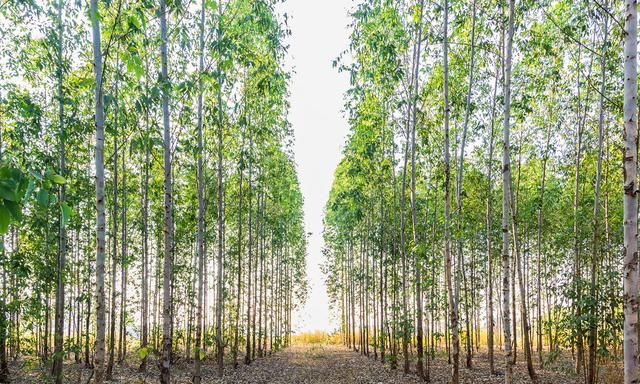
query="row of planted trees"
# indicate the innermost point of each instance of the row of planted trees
(150, 203)
(478, 201)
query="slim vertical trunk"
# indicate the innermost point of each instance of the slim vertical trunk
(122, 341)
(4, 366)
(197, 374)
(630, 135)
(576, 304)
(62, 239)
(459, 182)
(247, 356)
(403, 254)
(79, 303)
(524, 312)
(87, 360)
(382, 332)
(413, 117)
(100, 214)
(255, 278)
(114, 238)
(539, 246)
(595, 257)
(165, 362)
(145, 236)
(239, 264)
(489, 228)
(453, 308)
(506, 198)
(219, 341)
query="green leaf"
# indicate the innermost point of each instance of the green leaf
(66, 213)
(29, 191)
(7, 194)
(143, 352)
(15, 209)
(5, 219)
(43, 197)
(57, 179)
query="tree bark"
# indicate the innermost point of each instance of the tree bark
(122, 341)
(113, 237)
(630, 137)
(506, 198)
(453, 309)
(100, 203)
(247, 356)
(62, 239)
(145, 235)
(165, 364)
(459, 184)
(414, 220)
(595, 257)
(489, 228)
(219, 341)
(197, 374)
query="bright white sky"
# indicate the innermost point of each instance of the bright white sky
(319, 34)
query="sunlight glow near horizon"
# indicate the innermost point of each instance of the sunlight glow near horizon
(319, 32)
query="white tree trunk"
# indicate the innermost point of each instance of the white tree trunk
(100, 214)
(630, 343)
(165, 364)
(506, 199)
(453, 309)
(200, 217)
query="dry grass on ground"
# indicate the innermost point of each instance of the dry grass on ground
(314, 363)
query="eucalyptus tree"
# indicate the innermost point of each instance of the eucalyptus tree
(630, 134)
(453, 305)
(506, 199)
(100, 194)
(60, 289)
(200, 219)
(534, 197)
(165, 371)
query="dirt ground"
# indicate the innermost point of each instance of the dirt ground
(304, 364)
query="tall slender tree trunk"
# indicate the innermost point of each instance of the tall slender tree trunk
(114, 238)
(595, 257)
(145, 235)
(577, 269)
(219, 341)
(403, 249)
(239, 264)
(197, 369)
(100, 203)
(524, 312)
(122, 341)
(506, 198)
(247, 356)
(167, 273)
(490, 324)
(539, 246)
(459, 183)
(414, 220)
(62, 239)
(4, 366)
(453, 308)
(630, 136)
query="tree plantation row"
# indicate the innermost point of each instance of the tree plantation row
(479, 205)
(150, 209)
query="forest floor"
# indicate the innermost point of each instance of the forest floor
(310, 364)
